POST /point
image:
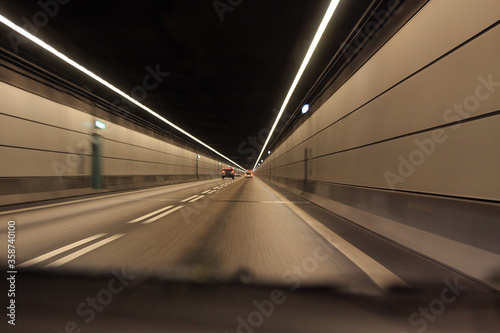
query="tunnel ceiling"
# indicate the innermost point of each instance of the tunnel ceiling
(227, 69)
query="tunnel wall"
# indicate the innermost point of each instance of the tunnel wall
(409, 145)
(46, 147)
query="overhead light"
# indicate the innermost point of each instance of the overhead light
(268, 152)
(73, 63)
(100, 124)
(305, 108)
(305, 62)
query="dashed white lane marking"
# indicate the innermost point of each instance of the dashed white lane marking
(205, 192)
(162, 215)
(212, 192)
(151, 214)
(380, 275)
(196, 199)
(187, 199)
(83, 251)
(58, 251)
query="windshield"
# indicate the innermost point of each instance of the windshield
(348, 145)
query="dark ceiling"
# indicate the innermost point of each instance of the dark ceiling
(227, 70)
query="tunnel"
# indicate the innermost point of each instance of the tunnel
(250, 167)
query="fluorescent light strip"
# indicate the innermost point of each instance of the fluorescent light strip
(61, 56)
(310, 52)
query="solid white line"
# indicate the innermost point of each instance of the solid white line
(380, 275)
(151, 214)
(212, 192)
(205, 192)
(187, 199)
(162, 215)
(58, 251)
(460, 256)
(83, 251)
(80, 200)
(196, 199)
(173, 187)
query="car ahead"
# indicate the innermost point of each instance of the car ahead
(249, 174)
(238, 175)
(227, 172)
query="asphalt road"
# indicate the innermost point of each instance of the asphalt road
(242, 228)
